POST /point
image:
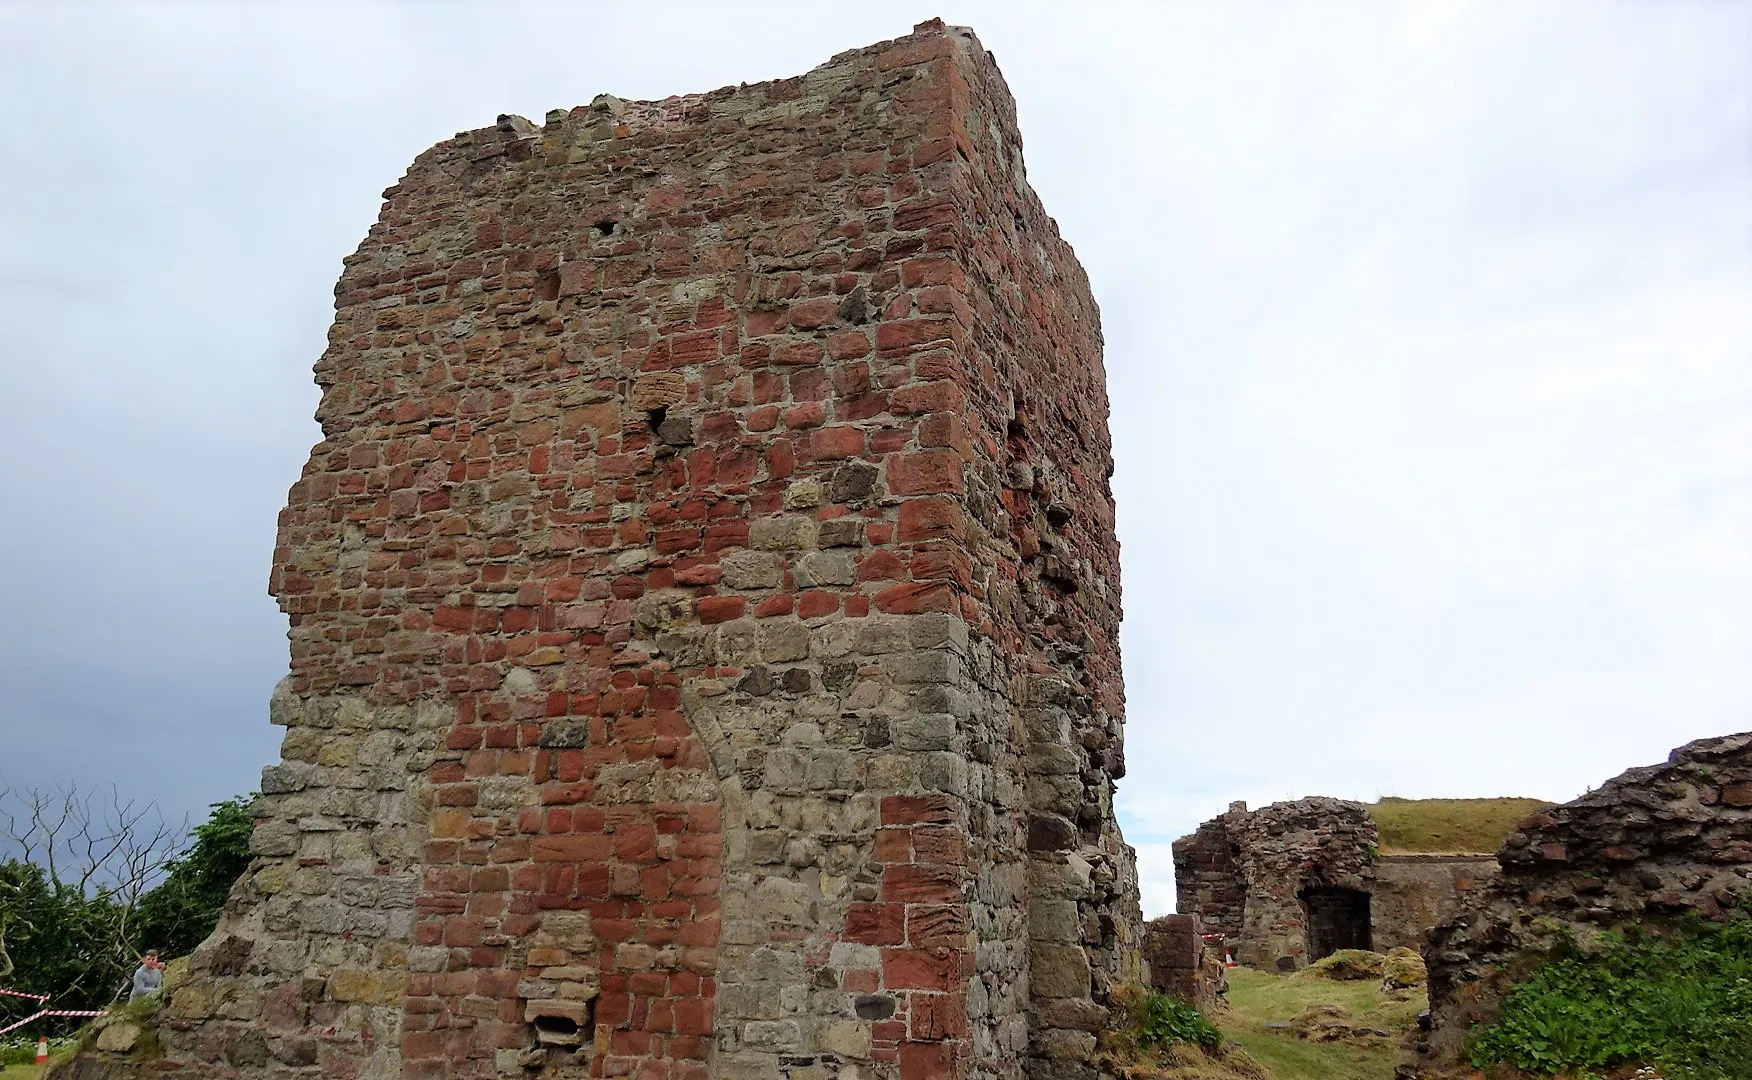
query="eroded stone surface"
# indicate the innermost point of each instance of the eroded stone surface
(1648, 848)
(704, 610)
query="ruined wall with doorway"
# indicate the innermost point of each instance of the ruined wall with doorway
(1648, 849)
(1285, 884)
(704, 609)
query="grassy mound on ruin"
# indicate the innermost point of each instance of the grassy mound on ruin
(1682, 1002)
(1448, 826)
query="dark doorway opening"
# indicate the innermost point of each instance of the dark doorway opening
(1338, 918)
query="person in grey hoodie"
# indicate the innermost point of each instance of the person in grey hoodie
(148, 977)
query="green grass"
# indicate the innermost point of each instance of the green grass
(18, 1072)
(1448, 826)
(1257, 998)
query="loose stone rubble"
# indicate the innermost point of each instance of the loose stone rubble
(704, 609)
(1649, 848)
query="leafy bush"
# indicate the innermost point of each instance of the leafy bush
(21, 1050)
(184, 908)
(81, 945)
(1683, 1002)
(1161, 1020)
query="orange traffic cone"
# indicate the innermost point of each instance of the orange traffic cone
(1228, 961)
(42, 1049)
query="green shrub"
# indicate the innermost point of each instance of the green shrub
(1161, 1020)
(16, 1049)
(1682, 1001)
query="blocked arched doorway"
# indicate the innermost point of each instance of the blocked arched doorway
(1337, 918)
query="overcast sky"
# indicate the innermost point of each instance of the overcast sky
(1429, 340)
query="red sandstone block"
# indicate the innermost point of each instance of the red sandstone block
(849, 344)
(862, 407)
(942, 396)
(813, 313)
(943, 564)
(861, 981)
(930, 519)
(699, 575)
(717, 609)
(926, 1061)
(924, 472)
(809, 414)
(777, 604)
(815, 603)
(915, 597)
(875, 924)
(912, 883)
(797, 353)
(939, 844)
(462, 932)
(934, 809)
(936, 925)
(835, 441)
(636, 843)
(571, 848)
(703, 933)
(938, 1016)
(919, 969)
(883, 565)
(693, 1016)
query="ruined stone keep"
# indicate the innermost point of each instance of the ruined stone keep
(1649, 849)
(704, 607)
(1293, 882)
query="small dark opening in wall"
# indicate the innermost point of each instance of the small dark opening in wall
(606, 226)
(556, 1025)
(547, 287)
(657, 416)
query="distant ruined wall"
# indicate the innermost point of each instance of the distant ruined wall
(1253, 868)
(1650, 847)
(1208, 878)
(704, 608)
(1413, 893)
(1290, 848)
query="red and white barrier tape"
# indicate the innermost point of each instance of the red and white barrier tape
(22, 994)
(51, 1012)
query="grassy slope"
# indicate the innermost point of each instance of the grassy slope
(1445, 826)
(1257, 998)
(18, 1072)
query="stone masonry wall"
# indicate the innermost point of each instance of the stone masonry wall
(1415, 892)
(1253, 867)
(704, 609)
(1648, 848)
(1208, 878)
(1179, 962)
